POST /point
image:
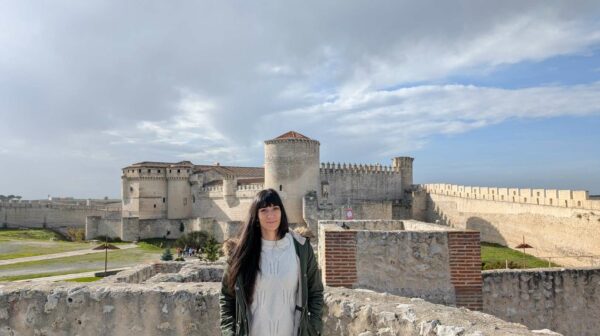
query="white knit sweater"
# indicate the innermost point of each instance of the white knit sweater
(274, 300)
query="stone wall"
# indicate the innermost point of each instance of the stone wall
(439, 266)
(103, 309)
(357, 182)
(553, 231)
(49, 215)
(564, 300)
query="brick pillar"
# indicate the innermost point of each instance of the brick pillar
(465, 268)
(340, 259)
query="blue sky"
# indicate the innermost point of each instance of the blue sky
(495, 94)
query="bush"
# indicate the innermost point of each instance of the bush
(212, 249)
(76, 234)
(108, 239)
(167, 255)
(179, 259)
(196, 240)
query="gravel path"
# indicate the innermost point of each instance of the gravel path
(59, 255)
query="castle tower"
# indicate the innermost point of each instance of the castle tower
(179, 192)
(404, 165)
(292, 168)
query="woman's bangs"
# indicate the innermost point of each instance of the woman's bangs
(269, 199)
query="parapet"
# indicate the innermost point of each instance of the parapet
(578, 199)
(353, 168)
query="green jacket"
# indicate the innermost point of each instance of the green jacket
(234, 316)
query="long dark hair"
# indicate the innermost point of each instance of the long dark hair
(245, 259)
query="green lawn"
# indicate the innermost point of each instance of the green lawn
(29, 234)
(84, 279)
(76, 264)
(495, 256)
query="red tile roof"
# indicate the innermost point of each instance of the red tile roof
(292, 135)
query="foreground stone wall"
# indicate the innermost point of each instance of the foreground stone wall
(439, 266)
(553, 231)
(564, 300)
(101, 309)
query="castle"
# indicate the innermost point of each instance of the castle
(216, 195)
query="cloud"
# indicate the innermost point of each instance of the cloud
(161, 81)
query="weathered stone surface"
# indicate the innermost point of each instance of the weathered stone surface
(57, 309)
(564, 300)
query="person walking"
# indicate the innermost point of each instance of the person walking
(272, 284)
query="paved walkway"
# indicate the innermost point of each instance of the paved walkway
(60, 255)
(69, 276)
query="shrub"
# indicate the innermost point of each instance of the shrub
(212, 249)
(108, 239)
(76, 234)
(167, 255)
(196, 240)
(179, 259)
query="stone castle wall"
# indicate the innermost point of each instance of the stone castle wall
(45, 214)
(341, 183)
(553, 231)
(173, 308)
(564, 300)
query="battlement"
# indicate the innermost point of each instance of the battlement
(44, 204)
(353, 168)
(549, 197)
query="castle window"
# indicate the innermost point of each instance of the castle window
(566, 203)
(280, 187)
(131, 189)
(578, 203)
(538, 193)
(514, 192)
(193, 198)
(164, 199)
(178, 171)
(525, 199)
(551, 201)
(149, 170)
(139, 170)
(185, 201)
(169, 170)
(154, 206)
(159, 171)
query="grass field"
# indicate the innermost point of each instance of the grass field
(84, 279)
(35, 242)
(494, 256)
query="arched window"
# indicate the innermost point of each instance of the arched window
(280, 187)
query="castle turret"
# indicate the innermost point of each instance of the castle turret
(292, 168)
(404, 165)
(179, 193)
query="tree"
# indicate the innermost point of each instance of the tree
(212, 249)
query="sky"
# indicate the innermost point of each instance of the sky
(503, 93)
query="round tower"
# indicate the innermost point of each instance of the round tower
(404, 165)
(292, 168)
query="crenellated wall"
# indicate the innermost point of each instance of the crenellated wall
(343, 182)
(578, 199)
(562, 231)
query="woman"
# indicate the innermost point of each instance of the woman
(272, 285)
